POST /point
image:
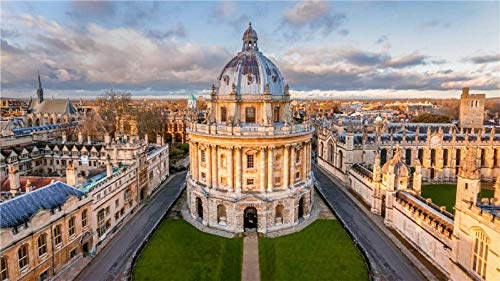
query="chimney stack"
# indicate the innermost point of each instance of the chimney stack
(64, 137)
(89, 139)
(15, 184)
(465, 91)
(107, 138)
(80, 137)
(28, 187)
(71, 174)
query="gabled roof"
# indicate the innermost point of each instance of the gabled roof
(19, 210)
(58, 106)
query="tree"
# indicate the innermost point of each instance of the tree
(150, 121)
(431, 118)
(94, 126)
(115, 109)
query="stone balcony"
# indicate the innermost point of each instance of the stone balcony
(251, 129)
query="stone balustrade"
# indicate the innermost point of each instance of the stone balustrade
(250, 129)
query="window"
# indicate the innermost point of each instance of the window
(250, 162)
(100, 216)
(203, 176)
(117, 203)
(223, 180)
(57, 235)
(126, 195)
(445, 157)
(433, 157)
(84, 218)
(42, 245)
(297, 156)
(277, 180)
(23, 256)
(203, 157)
(223, 114)
(117, 215)
(276, 114)
(71, 226)
(221, 214)
(480, 253)
(223, 161)
(250, 182)
(250, 115)
(73, 253)
(297, 175)
(4, 270)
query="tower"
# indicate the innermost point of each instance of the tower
(417, 177)
(250, 161)
(15, 183)
(471, 113)
(39, 91)
(71, 174)
(468, 185)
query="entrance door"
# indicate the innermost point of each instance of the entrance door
(199, 208)
(85, 248)
(250, 218)
(301, 209)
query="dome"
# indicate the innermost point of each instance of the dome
(250, 71)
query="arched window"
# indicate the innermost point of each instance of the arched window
(320, 149)
(480, 252)
(421, 155)
(341, 159)
(4, 269)
(221, 214)
(223, 114)
(445, 158)
(84, 218)
(383, 156)
(458, 157)
(278, 217)
(330, 152)
(250, 115)
(433, 157)
(58, 235)
(483, 157)
(408, 156)
(22, 254)
(42, 244)
(276, 114)
(495, 157)
(71, 226)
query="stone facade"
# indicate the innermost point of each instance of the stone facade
(250, 163)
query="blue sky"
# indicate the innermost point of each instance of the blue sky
(338, 49)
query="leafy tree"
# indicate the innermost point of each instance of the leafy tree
(431, 118)
(115, 108)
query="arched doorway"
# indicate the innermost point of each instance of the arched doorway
(301, 209)
(199, 207)
(142, 195)
(250, 218)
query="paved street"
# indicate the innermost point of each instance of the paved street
(391, 263)
(110, 263)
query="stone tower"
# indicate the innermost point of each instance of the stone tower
(471, 113)
(417, 177)
(468, 184)
(250, 161)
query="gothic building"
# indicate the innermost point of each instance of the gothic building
(250, 159)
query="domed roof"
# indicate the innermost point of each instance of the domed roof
(250, 71)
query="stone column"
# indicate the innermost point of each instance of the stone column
(198, 162)
(237, 179)
(286, 166)
(304, 161)
(292, 167)
(262, 169)
(208, 163)
(230, 169)
(215, 168)
(270, 180)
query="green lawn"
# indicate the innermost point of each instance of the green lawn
(178, 251)
(445, 194)
(322, 251)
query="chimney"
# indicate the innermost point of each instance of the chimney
(28, 187)
(15, 185)
(107, 138)
(64, 137)
(71, 174)
(146, 138)
(89, 139)
(80, 137)
(109, 169)
(465, 91)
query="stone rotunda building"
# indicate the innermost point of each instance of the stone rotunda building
(250, 159)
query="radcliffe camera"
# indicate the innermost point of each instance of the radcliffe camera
(301, 141)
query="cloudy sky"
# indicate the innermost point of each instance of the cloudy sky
(338, 49)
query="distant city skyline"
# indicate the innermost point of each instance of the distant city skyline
(174, 49)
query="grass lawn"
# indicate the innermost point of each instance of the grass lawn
(178, 251)
(445, 194)
(322, 251)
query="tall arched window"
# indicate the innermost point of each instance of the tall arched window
(408, 156)
(58, 234)
(250, 115)
(445, 158)
(223, 114)
(276, 114)
(433, 157)
(22, 254)
(320, 149)
(341, 159)
(421, 155)
(483, 157)
(84, 218)
(330, 152)
(480, 252)
(458, 157)
(383, 156)
(4, 269)
(71, 226)
(42, 244)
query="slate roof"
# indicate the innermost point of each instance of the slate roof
(29, 130)
(58, 106)
(19, 210)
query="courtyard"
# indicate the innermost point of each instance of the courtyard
(445, 194)
(178, 251)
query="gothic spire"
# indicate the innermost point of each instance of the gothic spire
(39, 91)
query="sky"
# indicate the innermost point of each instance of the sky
(324, 49)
